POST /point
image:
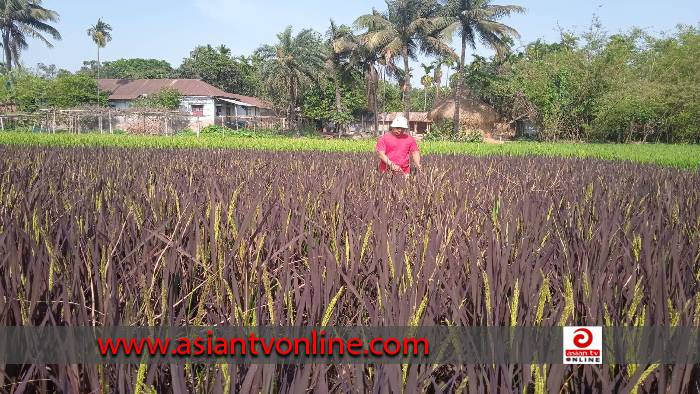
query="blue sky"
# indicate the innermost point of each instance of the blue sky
(170, 29)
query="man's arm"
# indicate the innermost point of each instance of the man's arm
(383, 157)
(415, 157)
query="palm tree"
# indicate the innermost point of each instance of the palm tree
(477, 19)
(407, 28)
(337, 62)
(364, 59)
(437, 77)
(426, 81)
(100, 34)
(22, 18)
(291, 62)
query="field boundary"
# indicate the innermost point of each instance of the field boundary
(682, 156)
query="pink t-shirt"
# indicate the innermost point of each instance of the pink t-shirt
(397, 149)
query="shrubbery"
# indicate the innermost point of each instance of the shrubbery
(442, 130)
(622, 88)
(217, 130)
(31, 92)
(166, 98)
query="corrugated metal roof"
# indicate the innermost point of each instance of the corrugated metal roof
(130, 89)
(232, 101)
(254, 101)
(413, 117)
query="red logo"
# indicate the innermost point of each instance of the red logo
(583, 337)
(582, 345)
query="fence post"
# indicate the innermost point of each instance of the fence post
(53, 126)
(109, 115)
(2, 123)
(99, 121)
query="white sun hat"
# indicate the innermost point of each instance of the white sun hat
(400, 122)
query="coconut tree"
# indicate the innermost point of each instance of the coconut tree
(337, 62)
(407, 28)
(20, 19)
(101, 34)
(427, 81)
(437, 77)
(290, 63)
(476, 20)
(364, 58)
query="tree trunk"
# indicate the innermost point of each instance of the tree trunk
(406, 87)
(98, 74)
(438, 78)
(8, 51)
(372, 87)
(290, 109)
(425, 97)
(338, 106)
(458, 87)
(383, 89)
(376, 116)
(295, 90)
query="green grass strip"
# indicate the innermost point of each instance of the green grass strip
(679, 156)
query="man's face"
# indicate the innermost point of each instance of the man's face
(397, 130)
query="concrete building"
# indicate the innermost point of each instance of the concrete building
(206, 104)
(418, 122)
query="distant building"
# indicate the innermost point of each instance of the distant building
(418, 122)
(207, 104)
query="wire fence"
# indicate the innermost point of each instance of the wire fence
(152, 121)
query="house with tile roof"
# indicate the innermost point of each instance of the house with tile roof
(418, 122)
(205, 103)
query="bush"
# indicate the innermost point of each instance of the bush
(167, 98)
(219, 131)
(442, 131)
(31, 92)
(215, 129)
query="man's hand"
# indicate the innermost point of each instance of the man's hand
(394, 167)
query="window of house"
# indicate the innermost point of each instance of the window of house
(197, 110)
(219, 110)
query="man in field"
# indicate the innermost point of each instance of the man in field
(395, 147)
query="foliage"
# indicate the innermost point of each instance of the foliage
(319, 103)
(422, 99)
(131, 69)
(31, 92)
(216, 66)
(442, 130)
(20, 19)
(472, 21)
(217, 131)
(290, 67)
(337, 57)
(167, 97)
(365, 60)
(73, 90)
(624, 87)
(100, 33)
(49, 71)
(389, 97)
(407, 28)
(183, 239)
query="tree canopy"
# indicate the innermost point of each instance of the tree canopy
(216, 66)
(135, 68)
(20, 19)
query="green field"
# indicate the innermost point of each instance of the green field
(679, 156)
